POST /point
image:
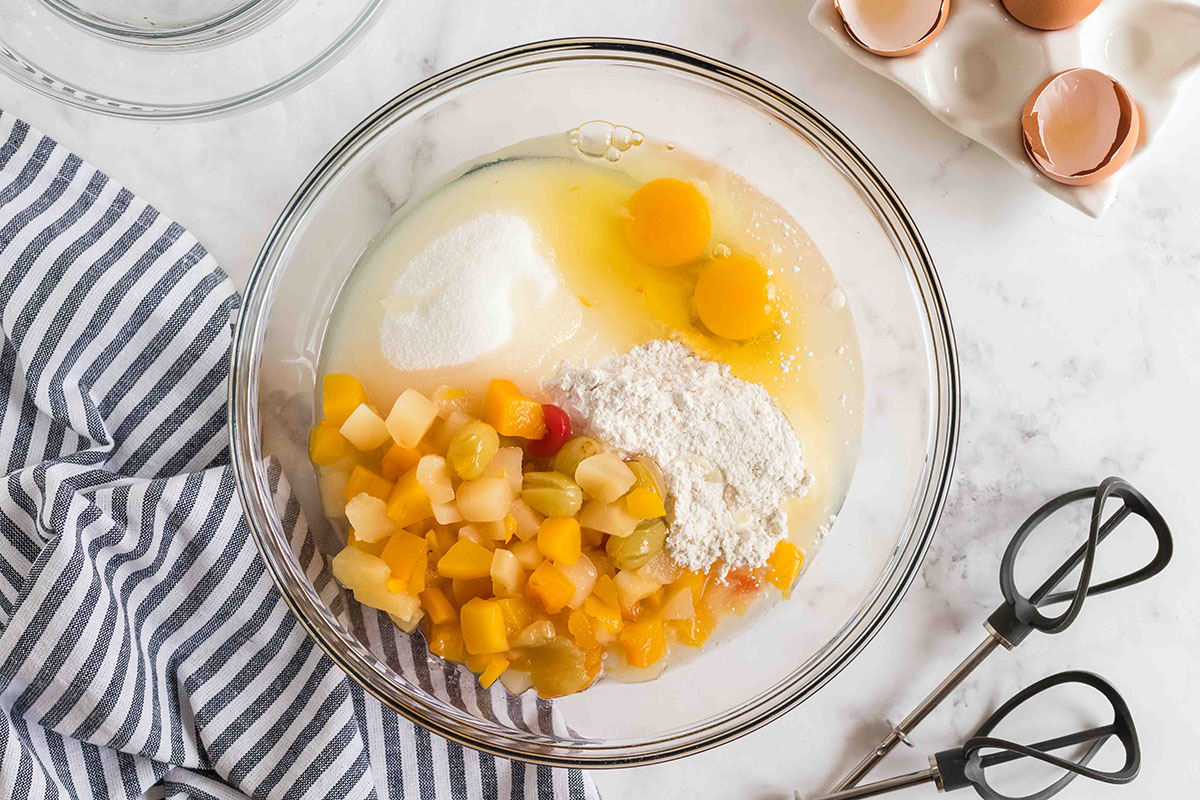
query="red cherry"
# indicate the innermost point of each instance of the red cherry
(558, 431)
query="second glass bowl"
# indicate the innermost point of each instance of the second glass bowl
(786, 150)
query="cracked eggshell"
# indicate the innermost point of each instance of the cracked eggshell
(1080, 126)
(1050, 15)
(892, 28)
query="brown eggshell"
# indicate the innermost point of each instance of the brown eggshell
(1128, 134)
(935, 28)
(1050, 15)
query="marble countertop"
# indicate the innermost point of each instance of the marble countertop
(1079, 342)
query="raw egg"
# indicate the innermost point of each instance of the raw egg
(1080, 126)
(733, 299)
(1050, 15)
(892, 28)
(667, 222)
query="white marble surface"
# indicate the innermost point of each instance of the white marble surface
(1079, 343)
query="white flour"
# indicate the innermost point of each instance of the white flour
(728, 454)
(459, 298)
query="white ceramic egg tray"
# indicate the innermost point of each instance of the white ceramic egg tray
(976, 75)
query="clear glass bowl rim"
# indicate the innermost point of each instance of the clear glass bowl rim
(888, 591)
(235, 22)
(31, 76)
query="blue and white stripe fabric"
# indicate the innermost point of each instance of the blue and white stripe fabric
(144, 651)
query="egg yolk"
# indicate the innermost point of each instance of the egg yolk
(732, 298)
(667, 222)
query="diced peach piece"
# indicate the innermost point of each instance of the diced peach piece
(507, 464)
(512, 413)
(483, 626)
(612, 519)
(466, 560)
(604, 477)
(440, 541)
(548, 584)
(368, 516)
(434, 477)
(374, 548)
(446, 640)
(645, 642)
(582, 575)
(332, 485)
(364, 480)
(606, 590)
(465, 589)
(495, 668)
(528, 522)
(398, 460)
(678, 603)
(644, 504)
(579, 625)
(528, 555)
(439, 608)
(484, 499)
(507, 575)
(408, 504)
(518, 613)
(416, 581)
(410, 418)
(326, 445)
(559, 540)
(607, 617)
(694, 632)
(403, 553)
(364, 428)
(783, 565)
(632, 587)
(340, 395)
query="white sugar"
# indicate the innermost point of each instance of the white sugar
(729, 456)
(460, 297)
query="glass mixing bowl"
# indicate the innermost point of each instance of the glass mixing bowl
(791, 153)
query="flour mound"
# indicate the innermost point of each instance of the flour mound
(729, 456)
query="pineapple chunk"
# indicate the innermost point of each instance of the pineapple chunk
(408, 625)
(559, 540)
(434, 477)
(333, 492)
(411, 416)
(484, 499)
(369, 517)
(604, 477)
(516, 681)
(483, 627)
(356, 569)
(507, 575)
(612, 519)
(341, 394)
(364, 428)
(632, 587)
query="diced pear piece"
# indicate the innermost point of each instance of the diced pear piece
(678, 604)
(368, 516)
(411, 417)
(632, 587)
(528, 522)
(364, 428)
(484, 499)
(612, 518)
(507, 464)
(583, 575)
(446, 513)
(507, 575)
(604, 477)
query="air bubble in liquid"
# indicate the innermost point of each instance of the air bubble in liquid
(600, 139)
(721, 251)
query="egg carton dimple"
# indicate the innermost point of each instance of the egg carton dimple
(977, 74)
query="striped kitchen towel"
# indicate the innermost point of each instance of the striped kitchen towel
(144, 651)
